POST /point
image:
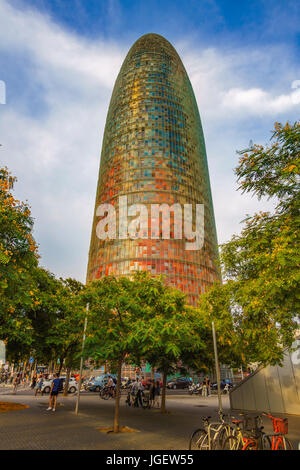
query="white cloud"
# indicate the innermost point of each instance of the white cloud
(223, 82)
(233, 111)
(56, 153)
(57, 50)
(257, 101)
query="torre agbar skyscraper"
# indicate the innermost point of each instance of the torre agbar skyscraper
(153, 152)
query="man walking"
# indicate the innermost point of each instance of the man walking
(39, 385)
(140, 389)
(53, 393)
(16, 382)
(207, 382)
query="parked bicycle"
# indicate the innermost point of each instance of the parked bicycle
(248, 434)
(212, 435)
(278, 439)
(132, 399)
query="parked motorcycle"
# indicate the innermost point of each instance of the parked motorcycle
(195, 389)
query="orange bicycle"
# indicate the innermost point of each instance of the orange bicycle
(248, 434)
(277, 440)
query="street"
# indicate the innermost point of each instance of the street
(36, 428)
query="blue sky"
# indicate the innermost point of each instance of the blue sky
(210, 21)
(59, 60)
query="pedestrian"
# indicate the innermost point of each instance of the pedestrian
(156, 394)
(111, 386)
(152, 392)
(132, 393)
(207, 383)
(16, 382)
(204, 389)
(53, 393)
(136, 391)
(33, 382)
(39, 386)
(140, 389)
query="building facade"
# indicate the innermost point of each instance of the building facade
(153, 152)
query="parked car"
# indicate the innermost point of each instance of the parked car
(73, 386)
(97, 383)
(179, 382)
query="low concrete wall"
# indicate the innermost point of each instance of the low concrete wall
(274, 389)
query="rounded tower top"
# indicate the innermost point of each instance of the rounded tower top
(152, 42)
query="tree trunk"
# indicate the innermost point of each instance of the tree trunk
(152, 373)
(24, 367)
(61, 362)
(12, 370)
(163, 395)
(118, 394)
(66, 388)
(33, 370)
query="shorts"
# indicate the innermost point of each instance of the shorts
(54, 393)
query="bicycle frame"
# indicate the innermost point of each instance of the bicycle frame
(212, 438)
(277, 439)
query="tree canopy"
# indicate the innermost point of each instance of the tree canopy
(18, 257)
(260, 297)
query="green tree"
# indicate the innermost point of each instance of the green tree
(18, 256)
(38, 313)
(56, 319)
(261, 265)
(170, 330)
(140, 319)
(66, 330)
(111, 331)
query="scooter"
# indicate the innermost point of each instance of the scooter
(195, 389)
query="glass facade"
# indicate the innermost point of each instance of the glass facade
(153, 152)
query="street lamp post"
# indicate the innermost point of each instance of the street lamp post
(217, 368)
(81, 360)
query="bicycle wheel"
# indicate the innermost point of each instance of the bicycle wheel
(266, 443)
(104, 394)
(283, 443)
(252, 444)
(288, 444)
(231, 443)
(145, 404)
(199, 440)
(220, 438)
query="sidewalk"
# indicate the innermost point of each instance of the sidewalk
(36, 428)
(4, 388)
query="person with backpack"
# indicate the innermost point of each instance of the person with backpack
(55, 386)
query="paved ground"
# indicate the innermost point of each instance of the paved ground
(36, 428)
